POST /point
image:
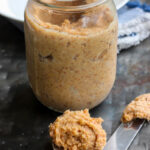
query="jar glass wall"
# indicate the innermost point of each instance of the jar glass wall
(71, 49)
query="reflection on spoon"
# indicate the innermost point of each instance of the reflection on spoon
(56, 148)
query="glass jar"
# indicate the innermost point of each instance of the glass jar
(71, 49)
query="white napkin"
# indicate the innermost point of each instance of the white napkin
(134, 26)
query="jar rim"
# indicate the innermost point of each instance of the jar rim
(71, 8)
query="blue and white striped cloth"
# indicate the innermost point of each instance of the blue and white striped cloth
(134, 24)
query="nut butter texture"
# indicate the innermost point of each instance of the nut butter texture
(71, 57)
(138, 108)
(76, 130)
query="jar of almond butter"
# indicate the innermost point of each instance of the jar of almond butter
(71, 50)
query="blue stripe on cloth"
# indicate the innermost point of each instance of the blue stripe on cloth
(137, 3)
(134, 24)
(125, 35)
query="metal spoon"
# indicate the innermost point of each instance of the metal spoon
(55, 147)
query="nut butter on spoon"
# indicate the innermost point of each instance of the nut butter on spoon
(76, 130)
(132, 122)
(138, 108)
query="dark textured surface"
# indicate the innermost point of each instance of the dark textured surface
(24, 121)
